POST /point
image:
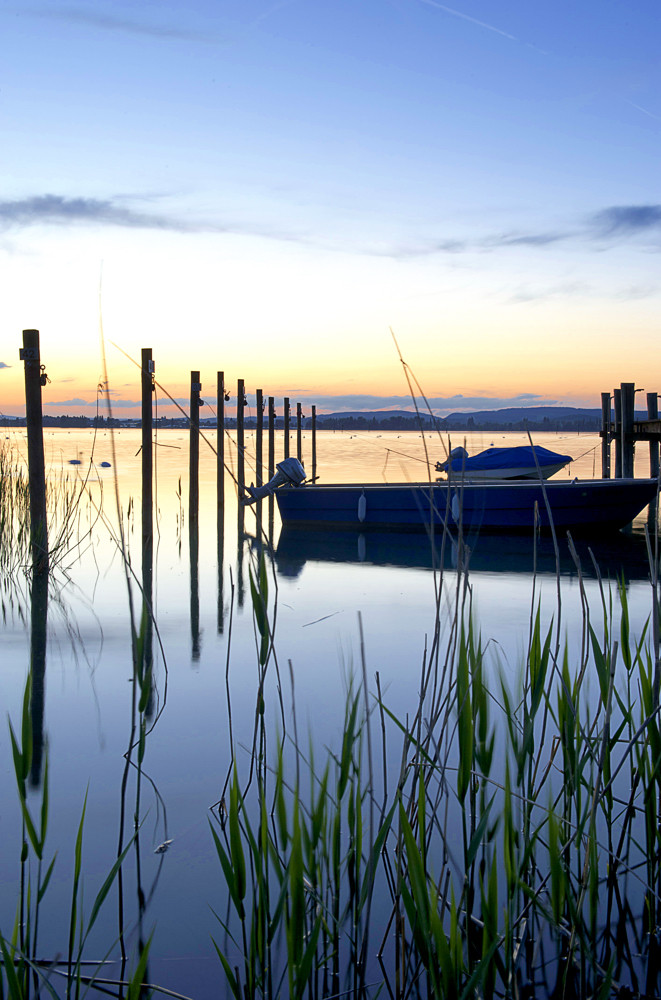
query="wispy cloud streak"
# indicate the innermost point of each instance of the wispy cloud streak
(109, 22)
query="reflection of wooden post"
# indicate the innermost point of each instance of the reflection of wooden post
(240, 436)
(628, 401)
(286, 418)
(605, 435)
(220, 441)
(38, 621)
(653, 414)
(271, 437)
(194, 448)
(259, 437)
(35, 434)
(314, 442)
(299, 429)
(617, 431)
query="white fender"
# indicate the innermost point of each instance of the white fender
(362, 507)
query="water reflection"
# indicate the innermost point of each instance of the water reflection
(38, 623)
(619, 556)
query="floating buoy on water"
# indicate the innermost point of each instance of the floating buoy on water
(362, 507)
(105, 465)
(74, 461)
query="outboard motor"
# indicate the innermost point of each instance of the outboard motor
(290, 473)
(455, 461)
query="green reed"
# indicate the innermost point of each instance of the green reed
(517, 852)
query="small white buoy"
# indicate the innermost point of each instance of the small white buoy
(362, 507)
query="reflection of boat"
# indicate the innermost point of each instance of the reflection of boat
(522, 462)
(588, 505)
(619, 556)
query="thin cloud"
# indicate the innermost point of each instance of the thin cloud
(122, 404)
(628, 219)
(3, 365)
(109, 22)
(55, 210)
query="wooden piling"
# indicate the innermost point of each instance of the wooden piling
(30, 355)
(259, 437)
(271, 437)
(605, 435)
(240, 436)
(617, 431)
(299, 432)
(286, 422)
(220, 443)
(314, 442)
(627, 438)
(194, 448)
(147, 387)
(653, 414)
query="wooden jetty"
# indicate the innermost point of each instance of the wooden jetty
(620, 425)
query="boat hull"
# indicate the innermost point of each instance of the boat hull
(581, 505)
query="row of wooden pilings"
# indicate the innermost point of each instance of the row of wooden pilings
(35, 378)
(619, 425)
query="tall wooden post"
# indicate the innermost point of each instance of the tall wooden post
(653, 414)
(314, 442)
(286, 419)
(617, 431)
(299, 432)
(271, 436)
(605, 435)
(29, 354)
(628, 402)
(194, 448)
(240, 436)
(220, 442)
(259, 437)
(147, 388)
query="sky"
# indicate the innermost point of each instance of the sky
(268, 188)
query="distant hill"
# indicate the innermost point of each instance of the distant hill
(511, 418)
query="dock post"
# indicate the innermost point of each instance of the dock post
(147, 386)
(628, 401)
(194, 448)
(240, 436)
(653, 414)
(605, 435)
(259, 437)
(29, 354)
(314, 442)
(286, 432)
(299, 432)
(220, 440)
(617, 431)
(271, 437)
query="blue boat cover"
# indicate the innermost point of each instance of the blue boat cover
(522, 457)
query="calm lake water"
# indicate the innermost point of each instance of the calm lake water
(205, 646)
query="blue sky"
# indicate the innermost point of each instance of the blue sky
(266, 188)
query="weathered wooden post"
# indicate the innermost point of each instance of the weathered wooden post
(605, 435)
(286, 419)
(220, 443)
(628, 403)
(617, 431)
(653, 414)
(259, 437)
(194, 448)
(240, 436)
(34, 379)
(147, 371)
(271, 436)
(299, 432)
(314, 442)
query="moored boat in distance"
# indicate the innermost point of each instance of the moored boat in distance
(581, 506)
(521, 462)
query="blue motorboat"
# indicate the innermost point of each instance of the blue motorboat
(581, 506)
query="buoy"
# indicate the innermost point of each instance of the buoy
(74, 461)
(105, 465)
(362, 507)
